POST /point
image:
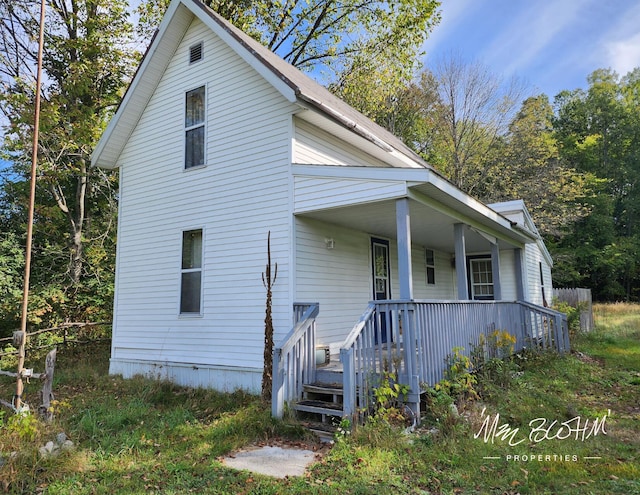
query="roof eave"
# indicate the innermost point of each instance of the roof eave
(150, 71)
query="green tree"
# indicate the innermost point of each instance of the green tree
(598, 132)
(530, 168)
(333, 39)
(87, 61)
(11, 276)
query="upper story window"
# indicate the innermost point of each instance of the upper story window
(430, 263)
(191, 272)
(195, 53)
(194, 123)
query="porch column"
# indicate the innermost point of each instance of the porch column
(403, 228)
(517, 256)
(461, 261)
(495, 270)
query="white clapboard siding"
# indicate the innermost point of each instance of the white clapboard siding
(338, 278)
(241, 194)
(533, 257)
(313, 146)
(508, 275)
(444, 288)
(313, 193)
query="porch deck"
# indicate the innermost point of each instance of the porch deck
(410, 338)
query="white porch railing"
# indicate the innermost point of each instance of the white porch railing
(421, 334)
(294, 358)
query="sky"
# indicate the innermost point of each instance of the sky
(551, 45)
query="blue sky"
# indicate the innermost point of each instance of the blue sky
(551, 44)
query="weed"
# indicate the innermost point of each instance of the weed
(389, 394)
(572, 312)
(459, 381)
(343, 430)
(446, 398)
(24, 425)
(493, 361)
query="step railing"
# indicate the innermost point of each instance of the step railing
(547, 328)
(294, 359)
(420, 335)
(375, 346)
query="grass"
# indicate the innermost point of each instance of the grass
(143, 436)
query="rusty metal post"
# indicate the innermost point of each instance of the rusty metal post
(27, 259)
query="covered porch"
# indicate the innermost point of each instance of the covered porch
(421, 216)
(417, 213)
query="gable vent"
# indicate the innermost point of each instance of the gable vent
(195, 53)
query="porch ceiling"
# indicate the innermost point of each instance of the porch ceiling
(429, 226)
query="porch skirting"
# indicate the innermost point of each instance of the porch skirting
(221, 378)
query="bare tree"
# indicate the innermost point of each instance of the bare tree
(473, 111)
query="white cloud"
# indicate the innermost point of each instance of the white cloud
(451, 13)
(621, 43)
(624, 55)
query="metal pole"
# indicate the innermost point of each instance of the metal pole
(27, 258)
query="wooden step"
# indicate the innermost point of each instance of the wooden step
(324, 388)
(319, 407)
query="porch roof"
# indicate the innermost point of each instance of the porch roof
(363, 199)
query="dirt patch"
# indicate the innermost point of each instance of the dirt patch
(585, 358)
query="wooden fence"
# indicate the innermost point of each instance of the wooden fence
(581, 299)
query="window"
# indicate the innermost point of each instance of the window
(544, 296)
(195, 53)
(194, 119)
(430, 262)
(191, 273)
(481, 278)
(381, 272)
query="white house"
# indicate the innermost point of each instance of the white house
(219, 142)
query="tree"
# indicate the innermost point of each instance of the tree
(87, 61)
(327, 36)
(465, 111)
(530, 168)
(598, 131)
(11, 276)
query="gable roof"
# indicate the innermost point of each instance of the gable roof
(516, 211)
(289, 81)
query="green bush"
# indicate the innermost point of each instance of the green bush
(573, 314)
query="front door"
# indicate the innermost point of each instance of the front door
(381, 280)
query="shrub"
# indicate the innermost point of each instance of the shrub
(389, 395)
(573, 314)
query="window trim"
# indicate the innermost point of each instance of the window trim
(201, 269)
(187, 129)
(470, 262)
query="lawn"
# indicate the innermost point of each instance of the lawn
(144, 436)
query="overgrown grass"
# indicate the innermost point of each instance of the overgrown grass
(144, 436)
